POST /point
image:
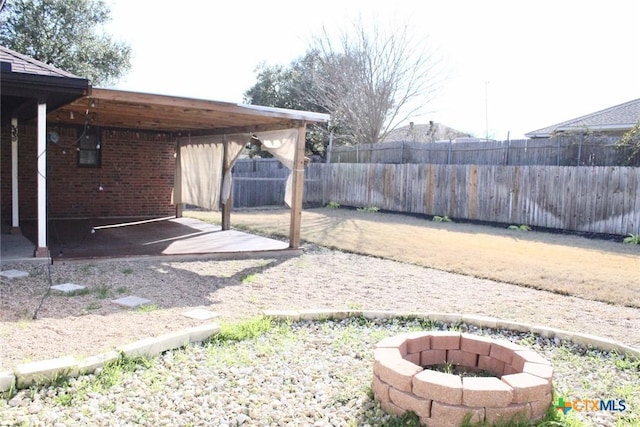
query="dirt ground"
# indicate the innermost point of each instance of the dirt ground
(593, 269)
(88, 322)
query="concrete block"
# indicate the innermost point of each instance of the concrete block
(475, 344)
(91, 363)
(434, 385)
(287, 315)
(202, 332)
(45, 371)
(398, 374)
(433, 357)
(409, 402)
(7, 381)
(489, 364)
(446, 415)
(514, 412)
(485, 391)
(526, 387)
(380, 389)
(445, 340)
(462, 358)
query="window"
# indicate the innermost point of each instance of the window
(89, 150)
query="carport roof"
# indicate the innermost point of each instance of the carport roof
(149, 112)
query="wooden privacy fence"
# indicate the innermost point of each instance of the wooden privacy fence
(573, 150)
(590, 199)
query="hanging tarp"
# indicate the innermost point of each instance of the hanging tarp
(199, 166)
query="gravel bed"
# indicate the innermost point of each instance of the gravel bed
(300, 374)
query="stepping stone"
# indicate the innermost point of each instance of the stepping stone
(131, 301)
(14, 274)
(67, 287)
(200, 314)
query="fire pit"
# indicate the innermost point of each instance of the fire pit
(501, 381)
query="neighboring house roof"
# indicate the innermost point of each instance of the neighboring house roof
(618, 118)
(429, 132)
(23, 64)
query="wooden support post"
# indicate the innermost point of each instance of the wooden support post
(226, 207)
(15, 201)
(41, 249)
(297, 189)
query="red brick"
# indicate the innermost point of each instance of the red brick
(444, 340)
(444, 415)
(418, 341)
(398, 374)
(396, 341)
(475, 344)
(380, 389)
(387, 355)
(508, 370)
(413, 358)
(540, 407)
(433, 357)
(391, 408)
(542, 371)
(514, 412)
(459, 357)
(526, 387)
(520, 357)
(485, 391)
(489, 364)
(409, 402)
(503, 351)
(439, 386)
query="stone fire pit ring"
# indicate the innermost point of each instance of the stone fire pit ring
(402, 381)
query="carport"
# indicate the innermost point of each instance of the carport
(208, 137)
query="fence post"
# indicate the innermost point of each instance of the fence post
(558, 149)
(449, 152)
(330, 147)
(579, 151)
(506, 152)
(402, 152)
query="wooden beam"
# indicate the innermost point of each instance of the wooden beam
(297, 189)
(226, 207)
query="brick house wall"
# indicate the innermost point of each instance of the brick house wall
(135, 178)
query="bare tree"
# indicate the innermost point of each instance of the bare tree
(371, 80)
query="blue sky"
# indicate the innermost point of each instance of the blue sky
(511, 66)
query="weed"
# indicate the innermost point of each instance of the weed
(370, 209)
(77, 292)
(632, 239)
(122, 290)
(251, 328)
(102, 292)
(521, 227)
(127, 270)
(408, 419)
(333, 205)
(354, 306)
(441, 219)
(147, 308)
(249, 278)
(93, 306)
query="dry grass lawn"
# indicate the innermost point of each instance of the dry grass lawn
(587, 268)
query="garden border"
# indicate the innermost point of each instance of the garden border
(46, 371)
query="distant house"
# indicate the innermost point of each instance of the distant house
(612, 121)
(430, 132)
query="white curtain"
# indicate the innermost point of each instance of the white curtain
(198, 178)
(282, 144)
